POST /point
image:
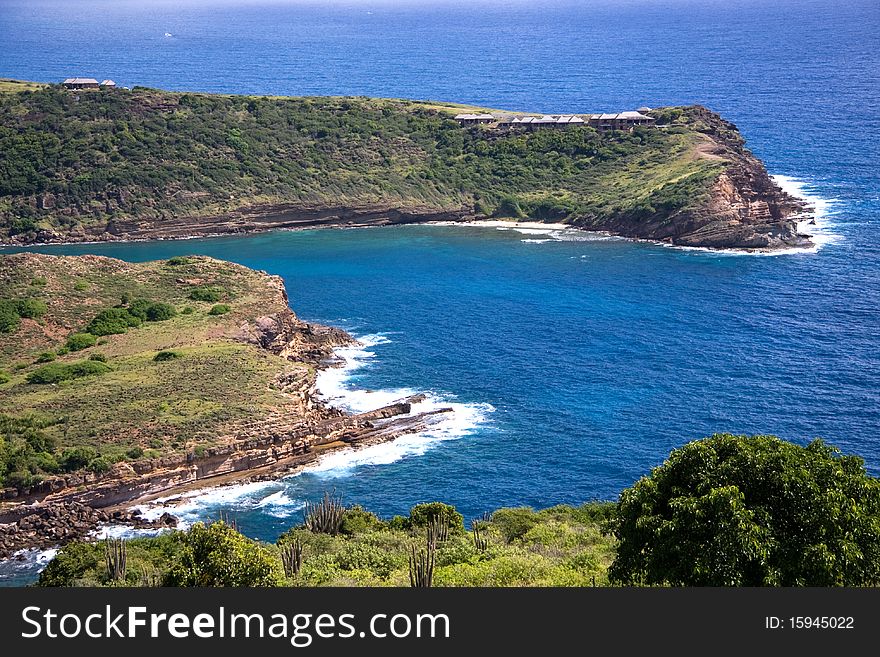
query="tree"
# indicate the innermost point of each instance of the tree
(750, 511)
(217, 555)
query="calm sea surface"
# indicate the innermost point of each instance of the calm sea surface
(574, 363)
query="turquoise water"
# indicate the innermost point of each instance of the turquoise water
(574, 363)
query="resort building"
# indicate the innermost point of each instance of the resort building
(108, 84)
(625, 121)
(81, 83)
(546, 121)
(474, 119)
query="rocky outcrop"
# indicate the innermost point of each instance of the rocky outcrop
(49, 525)
(742, 209)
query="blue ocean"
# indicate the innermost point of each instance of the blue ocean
(574, 362)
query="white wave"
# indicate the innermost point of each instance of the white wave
(819, 226)
(527, 241)
(337, 386)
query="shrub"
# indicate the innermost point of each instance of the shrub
(217, 555)
(163, 356)
(101, 358)
(203, 293)
(38, 281)
(112, 321)
(99, 465)
(750, 511)
(63, 351)
(134, 453)
(159, 312)
(151, 311)
(58, 372)
(9, 319)
(71, 564)
(219, 309)
(46, 357)
(188, 310)
(514, 523)
(177, 261)
(32, 308)
(357, 520)
(81, 286)
(80, 341)
(509, 207)
(76, 458)
(4, 377)
(421, 515)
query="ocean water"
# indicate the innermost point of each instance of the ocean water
(574, 362)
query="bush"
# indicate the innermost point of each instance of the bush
(80, 341)
(71, 564)
(177, 261)
(514, 523)
(421, 515)
(81, 286)
(58, 372)
(63, 351)
(112, 321)
(77, 458)
(134, 453)
(217, 555)
(151, 311)
(219, 309)
(46, 357)
(101, 358)
(357, 520)
(32, 308)
(750, 511)
(4, 377)
(209, 294)
(163, 356)
(38, 281)
(9, 319)
(188, 310)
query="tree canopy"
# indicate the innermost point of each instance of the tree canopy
(750, 511)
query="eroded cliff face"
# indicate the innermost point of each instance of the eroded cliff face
(744, 208)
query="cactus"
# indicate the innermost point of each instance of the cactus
(149, 577)
(292, 557)
(324, 517)
(226, 520)
(421, 565)
(438, 530)
(481, 542)
(117, 554)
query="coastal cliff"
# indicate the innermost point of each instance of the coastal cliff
(121, 381)
(147, 164)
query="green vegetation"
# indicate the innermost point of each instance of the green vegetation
(164, 356)
(566, 547)
(80, 341)
(208, 294)
(12, 311)
(219, 309)
(723, 511)
(121, 402)
(58, 372)
(46, 357)
(70, 160)
(751, 511)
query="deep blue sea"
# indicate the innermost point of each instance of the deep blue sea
(575, 363)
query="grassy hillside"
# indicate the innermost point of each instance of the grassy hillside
(79, 393)
(76, 160)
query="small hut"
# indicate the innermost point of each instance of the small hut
(81, 83)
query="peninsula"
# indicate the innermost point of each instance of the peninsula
(107, 163)
(119, 381)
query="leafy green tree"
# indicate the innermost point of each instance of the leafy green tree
(750, 511)
(217, 555)
(421, 515)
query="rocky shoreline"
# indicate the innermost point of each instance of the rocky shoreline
(73, 506)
